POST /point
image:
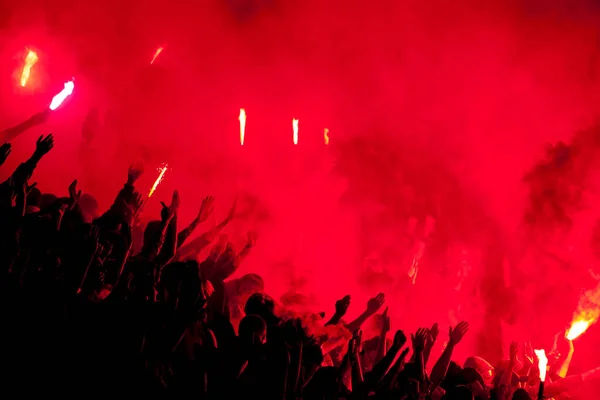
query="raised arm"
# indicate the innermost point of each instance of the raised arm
(438, 372)
(206, 209)
(341, 307)
(195, 246)
(378, 372)
(25, 170)
(373, 305)
(430, 342)
(37, 119)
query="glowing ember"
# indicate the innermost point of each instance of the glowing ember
(577, 328)
(30, 60)
(156, 54)
(542, 363)
(326, 136)
(158, 180)
(59, 98)
(295, 126)
(242, 119)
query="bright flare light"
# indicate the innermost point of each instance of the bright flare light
(242, 119)
(30, 61)
(59, 98)
(326, 136)
(577, 328)
(156, 54)
(158, 180)
(295, 127)
(542, 363)
(587, 313)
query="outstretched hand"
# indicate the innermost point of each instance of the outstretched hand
(173, 209)
(5, 150)
(134, 173)
(374, 304)
(206, 208)
(399, 339)
(418, 339)
(74, 195)
(459, 331)
(528, 353)
(44, 145)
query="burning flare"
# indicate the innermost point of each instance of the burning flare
(30, 61)
(158, 180)
(59, 98)
(326, 136)
(242, 119)
(295, 127)
(588, 311)
(156, 54)
(577, 328)
(542, 363)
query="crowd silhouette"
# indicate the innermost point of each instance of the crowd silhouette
(87, 315)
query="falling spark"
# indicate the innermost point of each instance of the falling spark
(158, 180)
(295, 127)
(59, 98)
(30, 60)
(326, 136)
(577, 328)
(156, 54)
(542, 363)
(242, 119)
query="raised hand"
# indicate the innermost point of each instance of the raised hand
(385, 318)
(374, 304)
(74, 195)
(206, 208)
(432, 336)
(44, 145)
(134, 173)
(459, 331)
(5, 150)
(528, 353)
(341, 306)
(399, 339)
(419, 338)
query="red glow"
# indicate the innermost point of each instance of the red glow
(434, 110)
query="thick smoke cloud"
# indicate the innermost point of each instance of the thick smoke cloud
(454, 102)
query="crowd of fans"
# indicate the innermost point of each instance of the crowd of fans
(86, 314)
